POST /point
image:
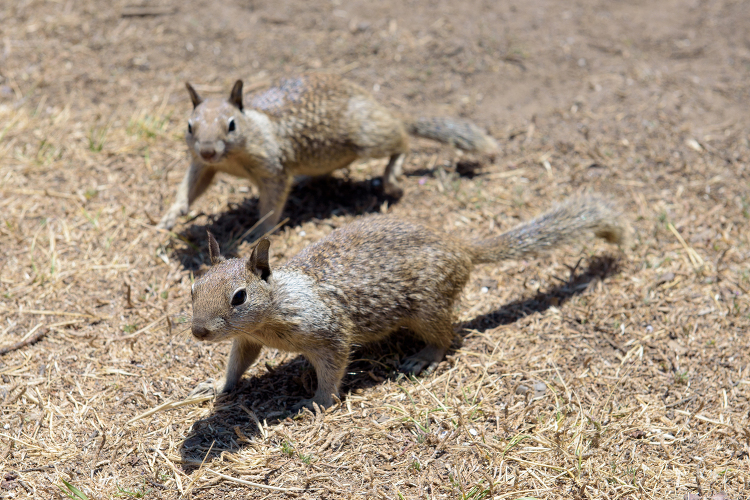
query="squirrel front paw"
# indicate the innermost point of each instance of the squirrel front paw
(321, 402)
(305, 403)
(208, 387)
(168, 221)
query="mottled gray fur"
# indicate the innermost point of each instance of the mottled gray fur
(364, 281)
(311, 125)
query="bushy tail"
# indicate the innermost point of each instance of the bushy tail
(459, 133)
(566, 222)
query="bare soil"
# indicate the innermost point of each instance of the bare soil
(592, 373)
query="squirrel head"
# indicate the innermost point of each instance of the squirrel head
(214, 129)
(233, 297)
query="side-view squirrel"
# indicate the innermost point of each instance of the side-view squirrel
(361, 283)
(310, 125)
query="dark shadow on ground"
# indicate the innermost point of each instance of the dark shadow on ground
(598, 268)
(315, 198)
(468, 169)
(271, 395)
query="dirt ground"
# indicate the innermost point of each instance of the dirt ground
(592, 373)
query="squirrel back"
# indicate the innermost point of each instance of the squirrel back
(311, 125)
(328, 105)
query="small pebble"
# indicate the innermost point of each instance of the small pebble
(6, 426)
(539, 388)
(522, 389)
(485, 289)
(302, 233)
(473, 432)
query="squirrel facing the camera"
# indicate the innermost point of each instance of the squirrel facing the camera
(310, 125)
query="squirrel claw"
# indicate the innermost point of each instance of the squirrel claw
(205, 388)
(305, 403)
(425, 361)
(167, 222)
(316, 406)
(414, 366)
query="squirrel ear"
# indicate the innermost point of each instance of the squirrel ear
(235, 97)
(193, 95)
(213, 250)
(258, 261)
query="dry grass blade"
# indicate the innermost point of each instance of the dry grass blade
(252, 228)
(38, 192)
(170, 405)
(142, 330)
(696, 259)
(270, 231)
(30, 338)
(34, 335)
(199, 473)
(250, 483)
(136, 11)
(59, 313)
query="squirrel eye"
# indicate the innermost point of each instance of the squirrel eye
(231, 125)
(190, 128)
(239, 297)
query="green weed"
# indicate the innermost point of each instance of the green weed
(287, 449)
(72, 492)
(137, 493)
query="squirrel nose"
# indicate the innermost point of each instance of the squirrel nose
(208, 153)
(199, 331)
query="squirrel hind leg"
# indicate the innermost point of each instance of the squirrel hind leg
(425, 361)
(438, 334)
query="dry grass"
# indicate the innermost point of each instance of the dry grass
(592, 373)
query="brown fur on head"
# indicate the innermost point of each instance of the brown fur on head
(217, 127)
(233, 294)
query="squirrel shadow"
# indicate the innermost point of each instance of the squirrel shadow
(468, 169)
(311, 198)
(271, 395)
(598, 268)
